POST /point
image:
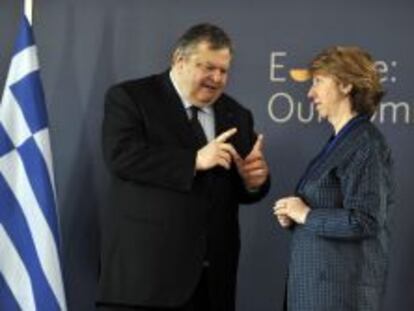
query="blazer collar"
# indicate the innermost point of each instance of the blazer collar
(343, 147)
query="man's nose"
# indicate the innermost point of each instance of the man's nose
(217, 76)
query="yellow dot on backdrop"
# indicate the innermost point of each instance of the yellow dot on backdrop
(300, 75)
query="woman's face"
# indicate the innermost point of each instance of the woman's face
(326, 94)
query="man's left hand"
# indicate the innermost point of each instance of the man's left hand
(253, 169)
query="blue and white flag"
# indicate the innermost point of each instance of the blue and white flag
(30, 271)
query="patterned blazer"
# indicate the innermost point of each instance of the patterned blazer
(339, 256)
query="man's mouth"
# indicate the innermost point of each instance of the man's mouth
(210, 87)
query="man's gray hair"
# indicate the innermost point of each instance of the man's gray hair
(212, 34)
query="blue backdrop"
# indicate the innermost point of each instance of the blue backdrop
(87, 45)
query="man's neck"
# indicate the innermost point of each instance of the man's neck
(175, 79)
(176, 83)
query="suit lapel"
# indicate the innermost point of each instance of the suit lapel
(224, 117)
(175, 111)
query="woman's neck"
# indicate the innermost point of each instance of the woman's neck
(342, 117)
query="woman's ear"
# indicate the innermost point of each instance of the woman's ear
(346, 88)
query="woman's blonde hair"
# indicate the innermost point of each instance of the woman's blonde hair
(352, 65)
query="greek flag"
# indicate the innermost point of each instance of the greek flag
(30, 272)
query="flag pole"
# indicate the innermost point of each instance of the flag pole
(28, 10)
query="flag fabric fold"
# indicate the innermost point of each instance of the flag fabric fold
(30, 270)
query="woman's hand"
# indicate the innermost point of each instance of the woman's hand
(291, 209)
(284, 221)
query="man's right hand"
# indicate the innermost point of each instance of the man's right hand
(217, 152)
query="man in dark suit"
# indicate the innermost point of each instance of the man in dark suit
(182, 156)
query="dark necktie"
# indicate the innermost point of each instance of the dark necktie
(198, 131)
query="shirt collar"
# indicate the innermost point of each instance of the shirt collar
(207, 109)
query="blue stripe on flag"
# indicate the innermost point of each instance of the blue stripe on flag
(29, 94)
(14, 222)
(39, 178)
(24, 37)
(6, 144)
(7, 301)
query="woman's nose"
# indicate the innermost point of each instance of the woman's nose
(310, 93)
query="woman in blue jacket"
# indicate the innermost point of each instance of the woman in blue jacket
(339, 215)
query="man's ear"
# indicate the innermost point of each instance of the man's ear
(177, 57)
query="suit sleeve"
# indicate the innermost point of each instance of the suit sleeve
(363, 186)
(130, 156)
(247, 196)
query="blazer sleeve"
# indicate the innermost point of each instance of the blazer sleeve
(364, 192)
(130, 156)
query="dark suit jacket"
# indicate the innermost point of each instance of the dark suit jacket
(339, 257)
(162, 219)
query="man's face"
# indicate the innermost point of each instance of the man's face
(203, 73)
